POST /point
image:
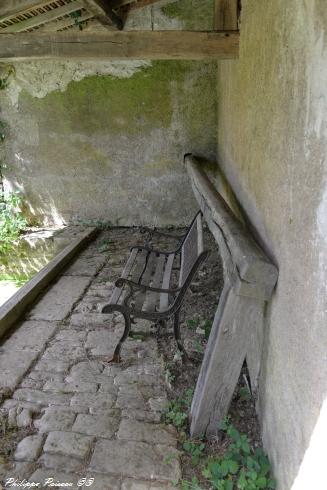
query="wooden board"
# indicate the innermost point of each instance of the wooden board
(155, 45)
(226, 15)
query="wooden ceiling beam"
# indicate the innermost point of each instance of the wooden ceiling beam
(153, 45)
(226, 15)
(102, 10)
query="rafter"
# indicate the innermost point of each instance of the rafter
(103, 11)
(132, 4)
(40, 19)
(155, 45)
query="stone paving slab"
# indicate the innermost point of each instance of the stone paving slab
(30, 336)
(91, 419)
(86, 266)
(13, 366)
(68, 444)
(55, 419)
(135, 459)
(56, 304)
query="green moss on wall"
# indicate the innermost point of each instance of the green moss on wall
(116, 105)
(194, 14)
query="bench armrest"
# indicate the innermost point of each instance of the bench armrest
(143, 287)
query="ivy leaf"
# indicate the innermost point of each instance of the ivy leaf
(228, 485)
(261, 482)
(206, 473)
(233, 467)
(241, 482)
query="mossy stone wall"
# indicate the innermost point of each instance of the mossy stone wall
(109, 148)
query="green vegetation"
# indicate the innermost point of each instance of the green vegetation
(153, 98)
(105, 245)
(177, 411)
(12, 222)
(204, 325)
(194, 14)
(239, 468)
(195, 449)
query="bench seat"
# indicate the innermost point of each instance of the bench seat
(149, 289)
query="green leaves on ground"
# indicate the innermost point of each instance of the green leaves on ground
(177, 411)
(239, 468)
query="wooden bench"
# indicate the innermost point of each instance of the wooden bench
(145, 288)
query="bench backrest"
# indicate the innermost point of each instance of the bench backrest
(191, 248)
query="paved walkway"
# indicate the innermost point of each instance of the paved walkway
(87, 420)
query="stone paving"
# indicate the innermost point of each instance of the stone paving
(87, 419)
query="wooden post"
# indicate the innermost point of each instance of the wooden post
(226, 15)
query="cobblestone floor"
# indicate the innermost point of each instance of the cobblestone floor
(85, 419)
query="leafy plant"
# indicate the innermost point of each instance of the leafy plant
(198, 346)
(195, 449)
(76, 16)
(193, 324)
(207, 324)
(177, 411)
(169, 377)
(104, 245)
(190, 485)
(12, 222)
(244, 394)
(4, 81)
(240, 467)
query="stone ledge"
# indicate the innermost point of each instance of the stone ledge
(17, 304)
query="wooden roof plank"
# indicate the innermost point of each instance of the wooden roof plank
(40, 19)
(65, 23)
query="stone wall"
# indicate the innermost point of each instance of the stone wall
(105, 140)
(272, 144)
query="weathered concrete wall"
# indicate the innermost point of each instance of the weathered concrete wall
(109, 148)
(105, 140)
(272, 145)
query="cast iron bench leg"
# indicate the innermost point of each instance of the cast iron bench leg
(177, 334)
(116, 356)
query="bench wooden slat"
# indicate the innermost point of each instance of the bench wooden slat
(164, 298)
(146, 279)
(152, 297)
(129, 264)
(137, 273)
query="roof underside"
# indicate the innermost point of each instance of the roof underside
(63, 15)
